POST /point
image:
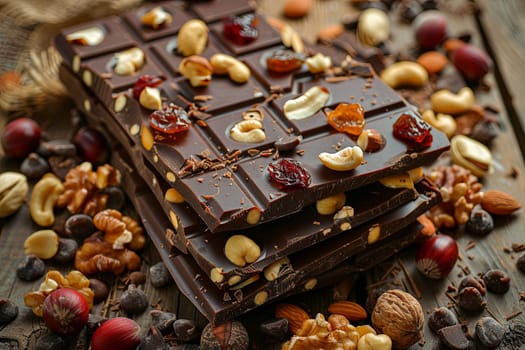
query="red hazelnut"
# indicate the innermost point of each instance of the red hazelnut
(430, 28)
(472, 62)
(437, 256)
(20, 137)
(91, 145)
(65, 311)
(119, 333)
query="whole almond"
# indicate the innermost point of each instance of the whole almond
(499, 203)
(433, 61)
(351, 310)
(297, 8)
(330, 32)
(293, 313)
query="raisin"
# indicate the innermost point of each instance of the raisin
(441, 317)
(347, 117)
(489, 332)
(480, 222)
(171, 119)
(288, 173)
(284, 61)
(143, 82)
(241, 30)
(415, 132)
(469, 298)
(497, 281)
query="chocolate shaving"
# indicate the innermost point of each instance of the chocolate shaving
(203, 162)
(513, 315)
(412, 283)
(518, 247)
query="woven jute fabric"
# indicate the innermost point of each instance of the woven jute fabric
(27, 28)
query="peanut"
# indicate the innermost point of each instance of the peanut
(43, 244)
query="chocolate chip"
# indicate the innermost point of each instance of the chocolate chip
(34, 166)
(497, 281)
(31, 268)
(163, 320)
(454, 337)
(67, 249)
(275, 329)
(489, 332)
(441, 317)
(520, 263)
(185, 330)
(469, 298)
(480, 222)
(159, 275)
(79, 226)
(133, 301)
(8, 311)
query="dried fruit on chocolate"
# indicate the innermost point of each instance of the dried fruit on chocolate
(284, 61)
(413, 131)
(399, 315)
(171, 119)
(347, 117)
(241, 30)
(144, 81)
(288, 173)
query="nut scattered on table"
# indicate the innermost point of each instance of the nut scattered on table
(13, 192)
(46, 193)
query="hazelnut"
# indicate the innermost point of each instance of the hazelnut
(371, 140)
(330, 204)
(150, 98)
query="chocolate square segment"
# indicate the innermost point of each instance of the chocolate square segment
(268, 37)
(115, 38)
(166, 49)
(213, 10)
(220, 128)
(147, 33)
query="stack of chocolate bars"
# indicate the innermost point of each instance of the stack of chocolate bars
(294, 168)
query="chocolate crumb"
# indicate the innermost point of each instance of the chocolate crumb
(513, 315)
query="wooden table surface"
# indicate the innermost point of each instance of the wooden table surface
(500, 29)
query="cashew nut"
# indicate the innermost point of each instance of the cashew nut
(43, 244)
(192, 38)
(330, 204)
(307, 104)
(405, 73)
(318, 63)
(88, 37)
(277, 268)
(225, 64)
(150, 98)
(129, 61)
(43, 199)
(156, 17)
(471, 154)
(445, 101)
(346, 159)
(248, 131)
(373, 27)
(444, 122)
(13, 192)
(241, 250)
(197, 69)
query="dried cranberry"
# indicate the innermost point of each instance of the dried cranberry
(171, 119)
(143, 82)
(413, 131)
(241, 30)
(288, 173)
(347, 117)
(284, 61)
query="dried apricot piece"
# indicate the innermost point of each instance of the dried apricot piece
(347, 117)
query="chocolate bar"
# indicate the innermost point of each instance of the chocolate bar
(223, 180)
(315, 267)
(277, 239)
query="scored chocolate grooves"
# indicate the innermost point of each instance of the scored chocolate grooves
(316, 267)
(224, 198)
(277, 239)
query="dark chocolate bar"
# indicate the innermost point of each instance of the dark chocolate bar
(315, 267)
(277, 239)
(223, 180)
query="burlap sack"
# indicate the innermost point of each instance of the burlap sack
(27, 28)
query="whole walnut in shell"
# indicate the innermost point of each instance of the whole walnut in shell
(400, 316)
